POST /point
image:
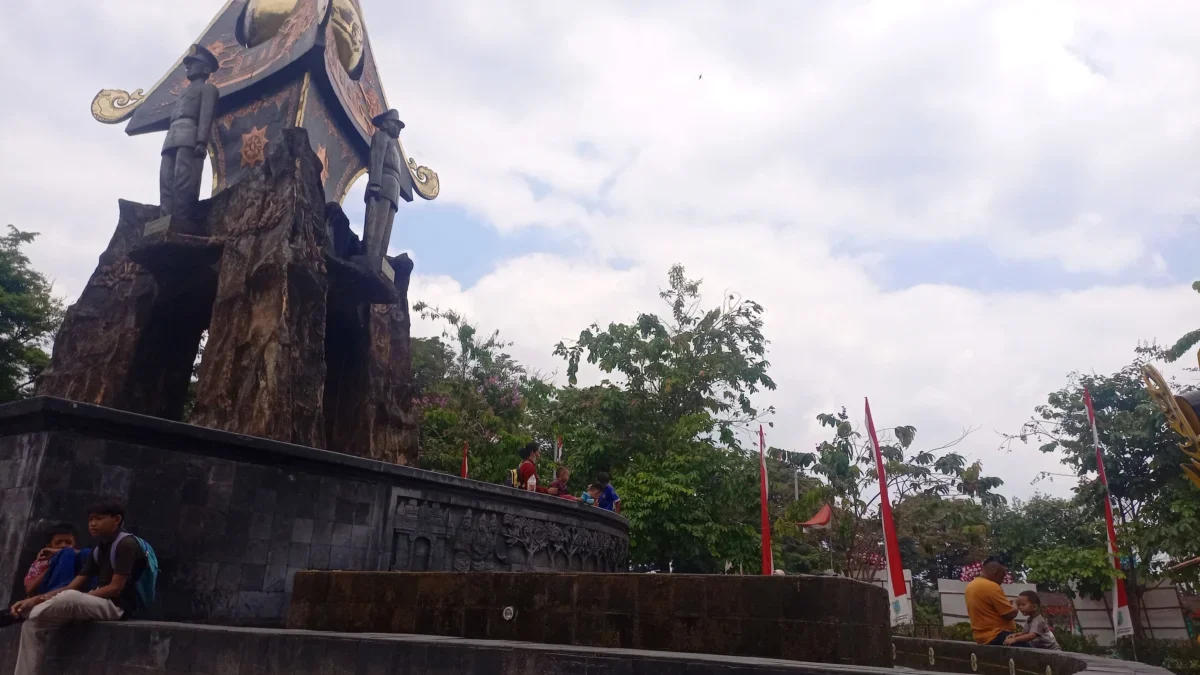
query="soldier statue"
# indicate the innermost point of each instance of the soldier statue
(387, 179)
(187, 140)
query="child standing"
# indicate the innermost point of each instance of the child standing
(608, 499)
(1038, 633)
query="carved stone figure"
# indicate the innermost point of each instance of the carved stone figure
(187, 139)
(462, 543)
(486, 546)
(387, 179)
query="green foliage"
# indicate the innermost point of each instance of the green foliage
(1185, 343)
(1079, 644)
(1043, 524)
(667, 429)
(29, 315)
(938, 536)
(1059, 568)
(469, 390)
(960, 632)
(849, 482)
(1153, 504)
(1181, 657)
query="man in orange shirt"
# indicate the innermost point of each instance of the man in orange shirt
(990, 611)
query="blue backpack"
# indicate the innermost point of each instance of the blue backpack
(149, 578)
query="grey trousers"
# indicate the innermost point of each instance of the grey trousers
(377, 230)
(179, 182)
(64, 608)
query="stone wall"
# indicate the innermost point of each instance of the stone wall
(233, 518)
(824, 619)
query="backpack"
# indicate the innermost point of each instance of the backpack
(149, 578)
(511, 481)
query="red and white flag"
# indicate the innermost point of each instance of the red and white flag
(768, 562)
(1122, 622)
(897, 589)
(558, 451)
(464, 466)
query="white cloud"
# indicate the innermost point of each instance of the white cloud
(1052, 131)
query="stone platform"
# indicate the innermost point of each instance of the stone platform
(233, 518)
(148, 648)
(802, 618)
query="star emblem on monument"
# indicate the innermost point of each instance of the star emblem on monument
(254, 145)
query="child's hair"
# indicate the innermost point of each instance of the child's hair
(1032, 596)
(561, 470)
(61, 529)
(592, 486)
(602, 478)
(108, 507)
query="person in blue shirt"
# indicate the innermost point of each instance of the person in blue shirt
(608, 500)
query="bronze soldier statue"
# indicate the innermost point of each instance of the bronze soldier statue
(187, 140)
(388, 179)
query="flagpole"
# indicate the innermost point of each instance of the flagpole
(768, 563)
(1122, 621)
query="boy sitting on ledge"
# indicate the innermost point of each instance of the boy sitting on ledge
(122, 564)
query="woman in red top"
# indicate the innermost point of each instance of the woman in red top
(527, 478)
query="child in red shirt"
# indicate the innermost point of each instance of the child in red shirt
(560, 483)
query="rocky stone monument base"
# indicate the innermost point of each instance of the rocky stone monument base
(304, 345)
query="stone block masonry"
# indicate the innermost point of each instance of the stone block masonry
(234, 518)
(818, 619)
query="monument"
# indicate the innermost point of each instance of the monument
(292, 445)
(333, 369)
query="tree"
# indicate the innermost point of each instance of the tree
(846, 468)
(670, 429)
(469, 390)
(29, 315)
(1057, 543)
(1185, 343)
(938, 536)
(1141, 458)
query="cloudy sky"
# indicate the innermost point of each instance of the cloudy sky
(945, 206)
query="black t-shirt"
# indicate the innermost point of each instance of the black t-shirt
(130, 561)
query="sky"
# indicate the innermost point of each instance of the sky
(946, 206)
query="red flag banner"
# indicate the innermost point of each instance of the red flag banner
(1122, 622)
(464, 465)
(768, 562)
(897, 589)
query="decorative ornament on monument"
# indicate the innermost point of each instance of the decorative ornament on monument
(1183, 414)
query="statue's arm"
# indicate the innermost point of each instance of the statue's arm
(208, 106)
